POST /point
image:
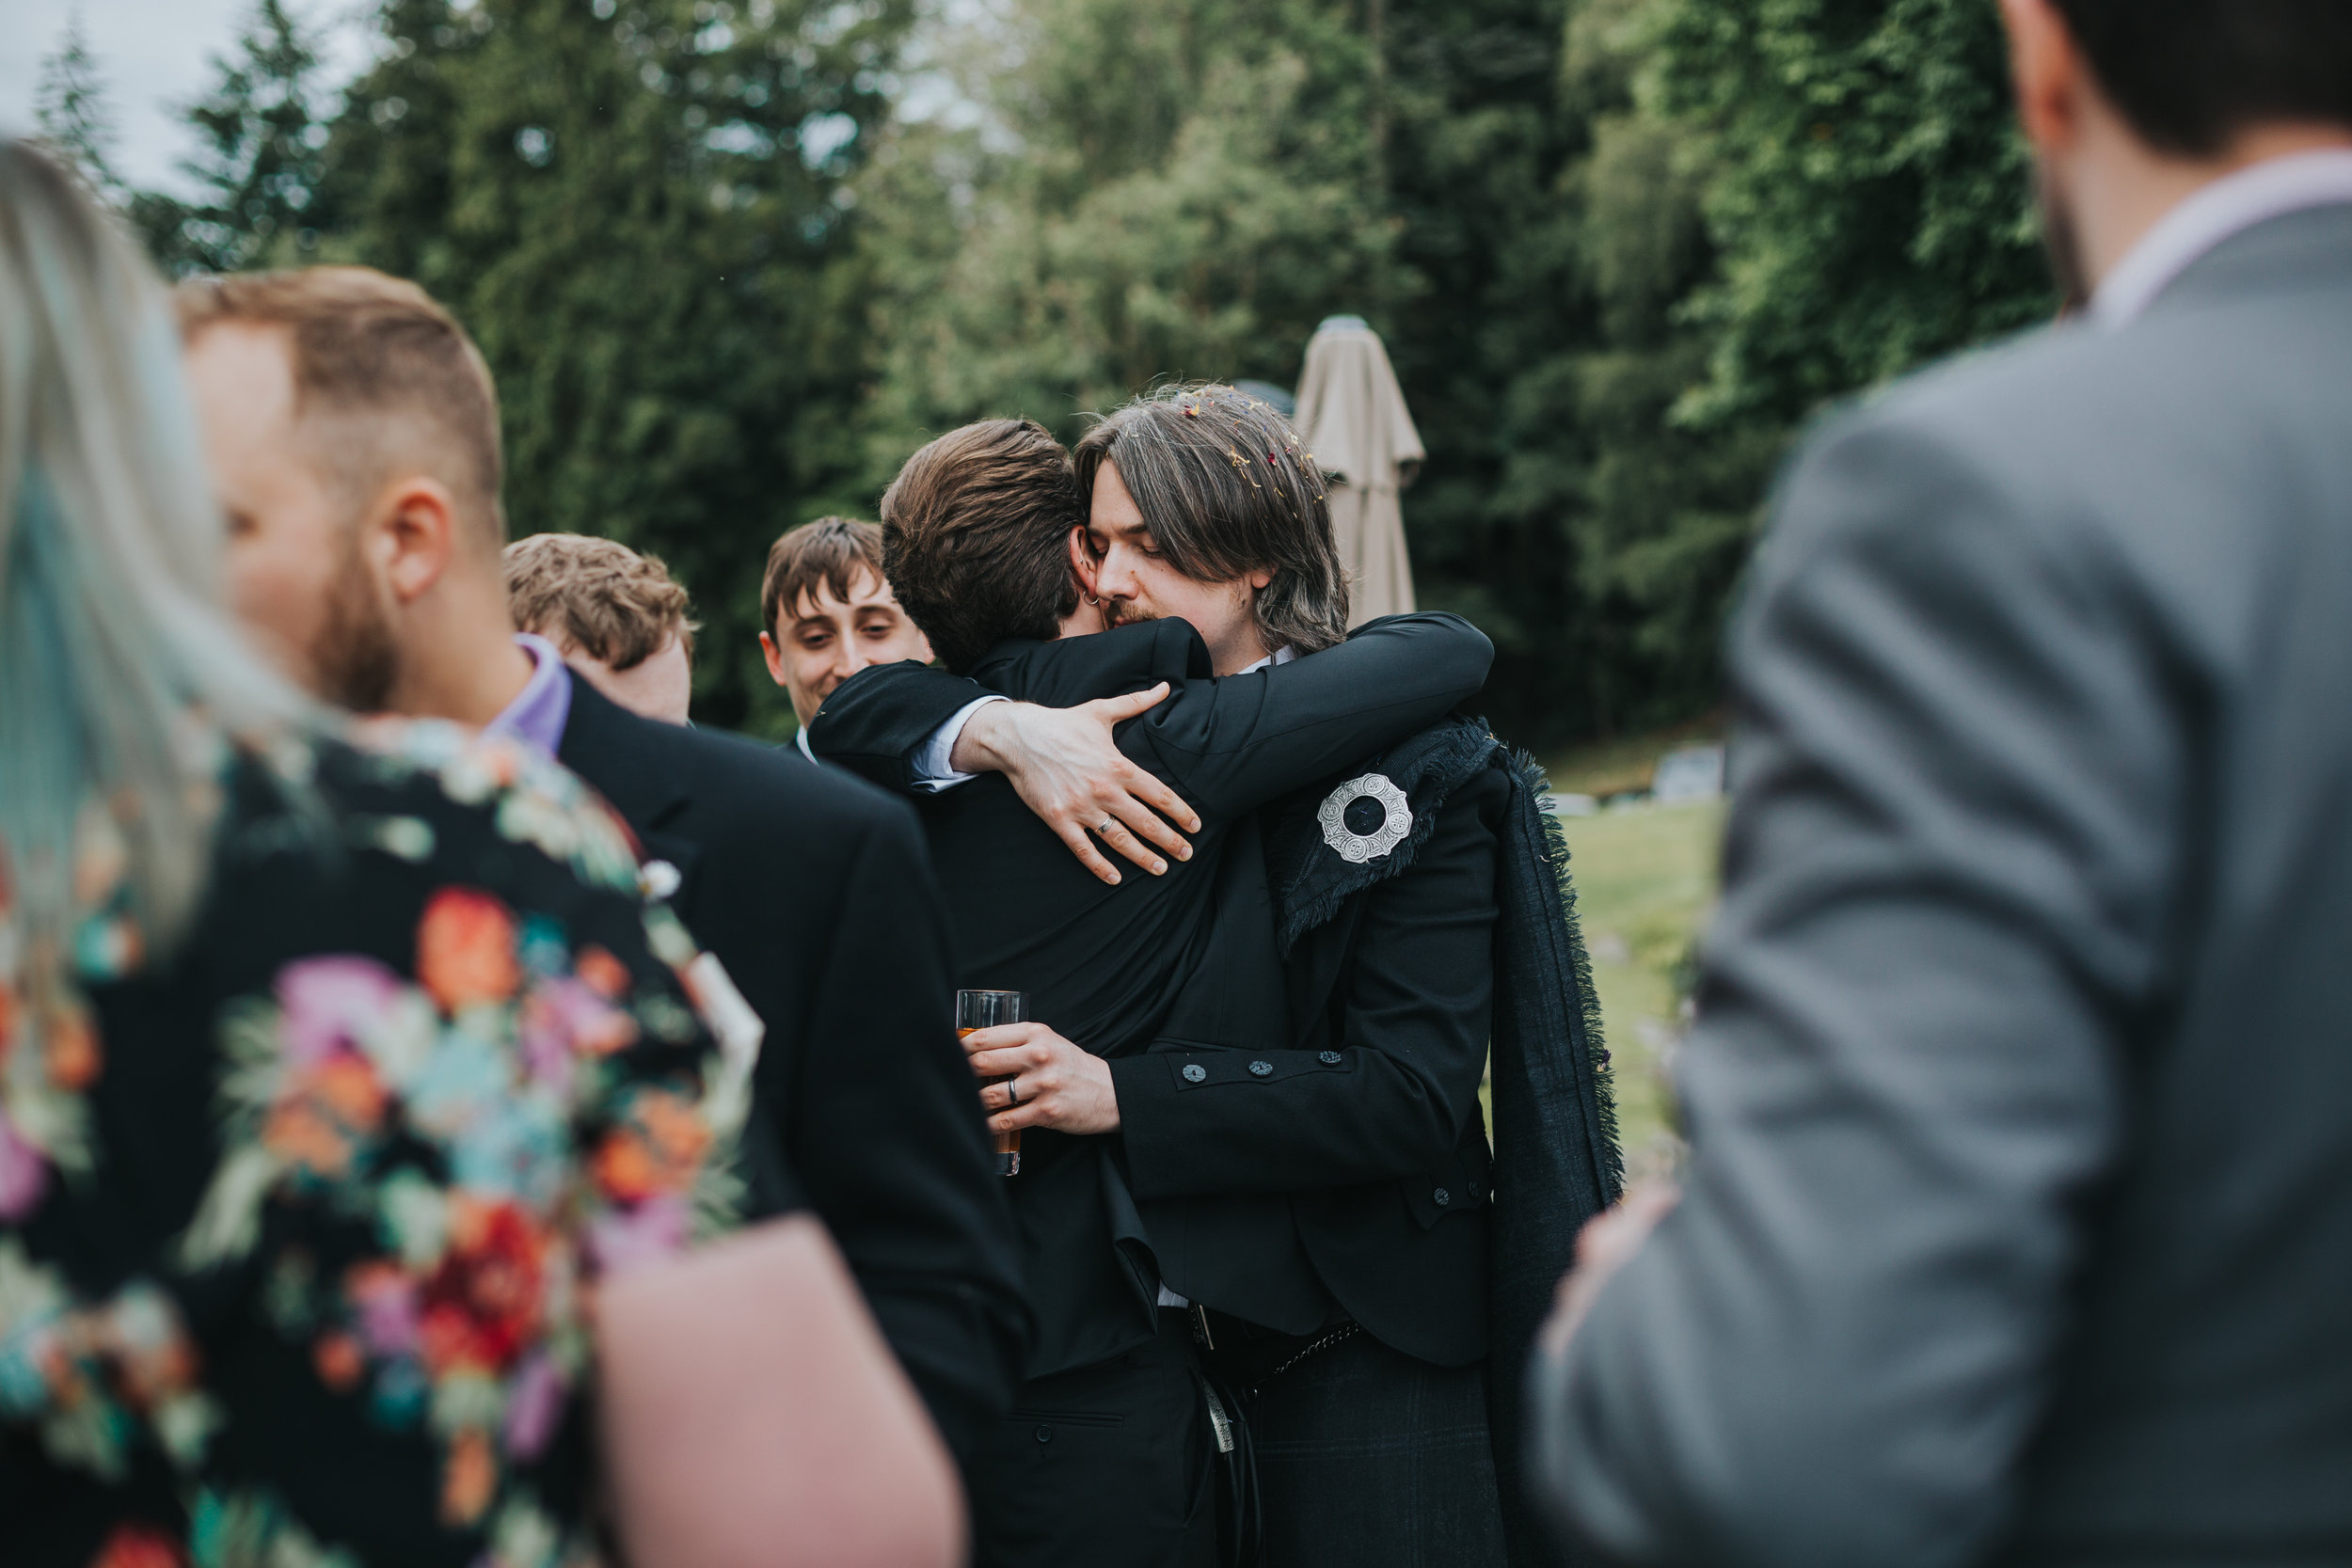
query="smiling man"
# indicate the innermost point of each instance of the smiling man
(829, 613)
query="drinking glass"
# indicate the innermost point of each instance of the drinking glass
(986, 1009)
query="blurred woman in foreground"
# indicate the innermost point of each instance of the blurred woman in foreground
(355, 1119)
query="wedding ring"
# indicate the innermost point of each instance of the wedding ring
(1102, 827)
(1012, 1091)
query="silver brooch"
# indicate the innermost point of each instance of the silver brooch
(1355, 847)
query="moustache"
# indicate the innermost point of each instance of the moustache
(1126, 613)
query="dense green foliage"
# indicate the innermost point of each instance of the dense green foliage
(733, 260)
(639, 214)
(70, 106)
(259, 158)
(1184, 191)
(1873, 191)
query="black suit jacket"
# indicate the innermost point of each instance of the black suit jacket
(1116, 969)
(813, 891)
(1351, 1171)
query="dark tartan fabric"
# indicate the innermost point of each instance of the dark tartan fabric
(1556, 1162)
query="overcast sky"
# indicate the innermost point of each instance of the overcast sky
(151, 54)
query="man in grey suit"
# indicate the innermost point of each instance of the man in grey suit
(2018, 1224)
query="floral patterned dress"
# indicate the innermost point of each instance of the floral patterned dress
(300, 1224)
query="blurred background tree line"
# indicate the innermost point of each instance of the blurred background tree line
(733, 260)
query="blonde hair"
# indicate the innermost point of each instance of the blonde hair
(599, 596)
(381, 354)
(112, 636)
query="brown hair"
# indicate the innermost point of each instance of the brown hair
(2190, 74)
(1228, 489)
(976, 532)
(602, 599)
(380, 352)
(832, 552)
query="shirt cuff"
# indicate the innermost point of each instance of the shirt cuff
(934, 769)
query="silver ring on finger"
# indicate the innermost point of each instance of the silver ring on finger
(1103, 828)
(1012, 1091)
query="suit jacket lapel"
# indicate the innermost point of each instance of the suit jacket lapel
(606, 745)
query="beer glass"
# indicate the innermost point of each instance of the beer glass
(986, 1009)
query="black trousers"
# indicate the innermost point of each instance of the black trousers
(1106, 1466)
(1367, 1458)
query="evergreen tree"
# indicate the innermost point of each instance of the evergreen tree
(1873, 195)
(1617, 248)
(259, 161)
(643, 212)
(70, 108)
(1550, 234)
(1178, 191)
(1186, 191)
(1659, 517)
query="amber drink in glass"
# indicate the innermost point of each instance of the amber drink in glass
(986, 1009)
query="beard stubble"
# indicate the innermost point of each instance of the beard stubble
(357, 657)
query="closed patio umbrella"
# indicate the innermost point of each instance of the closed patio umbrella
(1352, 416)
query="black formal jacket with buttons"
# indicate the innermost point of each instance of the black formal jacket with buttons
(1335, 1165)
(814, 891)
(1163, 973)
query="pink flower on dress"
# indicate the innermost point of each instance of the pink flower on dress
(620, 1240)
(327, 1003)
(388, 1302)
(24, 1174)
(534, 1405)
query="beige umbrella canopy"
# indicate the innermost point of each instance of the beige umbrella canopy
(1352, 416)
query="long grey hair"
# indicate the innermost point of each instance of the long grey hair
(116, 657)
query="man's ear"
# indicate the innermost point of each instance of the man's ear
(775, 656)
(1259, 579)
(2047, 71)
(1083, 565)
(411, 537)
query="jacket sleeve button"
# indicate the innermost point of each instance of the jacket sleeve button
(1194, 1072)
(1442, 1196)
(1046, 1435)
(1330, 1058)
(1262, 1070)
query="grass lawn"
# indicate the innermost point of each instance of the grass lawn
(1604, 767)
(1644, 884)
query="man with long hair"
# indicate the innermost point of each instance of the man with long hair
(1305, 1148)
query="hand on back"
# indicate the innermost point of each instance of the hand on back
(1067, 769)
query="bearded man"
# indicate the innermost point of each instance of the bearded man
(352, 430)
(2018, 1222)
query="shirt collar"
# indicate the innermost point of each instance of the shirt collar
(1280, 655)
(538, 715)
(2218, 213)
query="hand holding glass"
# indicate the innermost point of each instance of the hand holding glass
(986, 1009)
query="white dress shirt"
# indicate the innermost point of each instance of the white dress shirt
(2220, 212)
